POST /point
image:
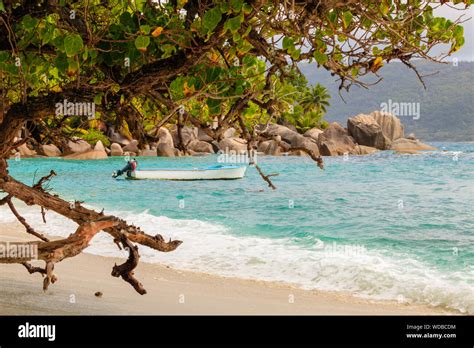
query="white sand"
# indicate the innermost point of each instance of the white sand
(169, 292)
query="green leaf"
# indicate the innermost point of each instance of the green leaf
(98, 99)
(233, 24)
(29, 23)
(287, 43)
(347, 19)
(73, 44)
(142, 42)
(214, 106)
(145, 29)
(321, 58)
(296, 54)
(211, 19)
(236, 5)
(61, 63)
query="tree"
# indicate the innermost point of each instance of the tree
(316, 99)
(140, 62)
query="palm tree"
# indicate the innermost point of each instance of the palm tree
(316, 98)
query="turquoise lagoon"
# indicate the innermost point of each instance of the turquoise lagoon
(384, 226)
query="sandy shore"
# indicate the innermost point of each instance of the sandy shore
(170, 291)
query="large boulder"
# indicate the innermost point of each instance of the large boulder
(76, 146)
(328, 148)
(335, 141)
(116, 150)
(132, 147)
(88, 155)
(229, 133)
(49, 150)
(270, 147)
(202, 136)
(165, 137)
(291, 137)
(25, 151)
(187, 133)
(313, 133)
(119, 139)
(164, 150)
(363, 150)
(200, 146)
(148, 153)
(366, 131)
(99, 146)
(233, 144)
(391, 126)
(404, 145)
(116, 137)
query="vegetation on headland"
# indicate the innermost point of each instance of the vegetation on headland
(212, 64)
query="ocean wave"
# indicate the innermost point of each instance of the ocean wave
(212, 248)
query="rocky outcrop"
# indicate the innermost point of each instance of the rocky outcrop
(328, 148)
(187, 133)
(233, 144)
(391, 126)
(132, 147)
(49, 150)
(335, 141)
(200, 146)
(313, 133)
(88, 155)
(148, 153)
(117, 137)
(76, 146)
(99, 146)
(116, 150)
(202, 136)
(366, 131)
(165, 137)
(165, 150)
(229, 133)
(363, 150)
(25, 151)
(270, 147)
(404, 145)
(293, 138)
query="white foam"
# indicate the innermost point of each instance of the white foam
(212, 248)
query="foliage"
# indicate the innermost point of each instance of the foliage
(92, 136)
(218, 61)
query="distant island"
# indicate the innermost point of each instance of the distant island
(448, 97)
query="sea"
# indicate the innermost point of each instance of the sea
(381, 227)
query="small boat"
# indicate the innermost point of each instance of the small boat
(218, 172)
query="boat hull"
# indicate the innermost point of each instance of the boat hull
(230, 173)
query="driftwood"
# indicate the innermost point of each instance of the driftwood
(90, 223)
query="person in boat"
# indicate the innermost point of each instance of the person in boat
(129, 169)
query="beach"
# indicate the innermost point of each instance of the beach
(170, 292)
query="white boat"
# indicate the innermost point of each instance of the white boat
(218, 172)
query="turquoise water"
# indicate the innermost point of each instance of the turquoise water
(406, 221)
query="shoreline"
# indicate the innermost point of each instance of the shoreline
(170, 292)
